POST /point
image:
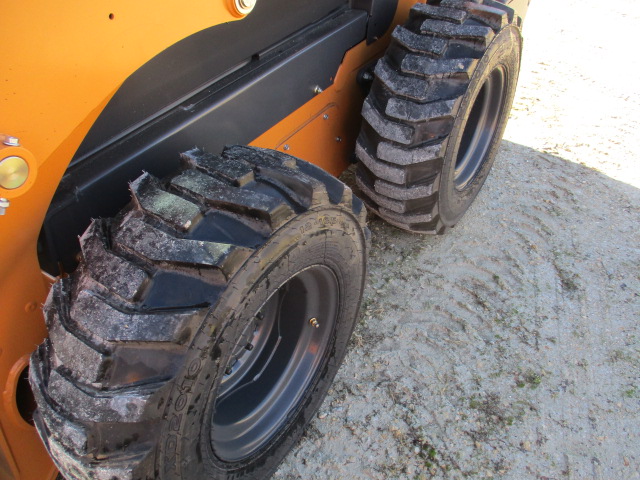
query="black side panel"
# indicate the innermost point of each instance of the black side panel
(234, 110)
(381, 13)
(196, 61)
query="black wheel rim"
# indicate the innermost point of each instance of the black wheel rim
(264, 383)
(480, 128)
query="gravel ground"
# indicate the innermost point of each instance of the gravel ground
(510, 347)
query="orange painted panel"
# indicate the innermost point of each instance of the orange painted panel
(62, 64)
(330, 142)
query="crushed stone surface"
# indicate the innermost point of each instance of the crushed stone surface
(509, 348)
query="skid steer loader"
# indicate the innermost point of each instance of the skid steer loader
(181, 269)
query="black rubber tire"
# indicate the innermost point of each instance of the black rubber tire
(150, 329)
(436, 112)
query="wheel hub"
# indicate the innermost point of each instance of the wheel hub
(480, 129)
(274, 361)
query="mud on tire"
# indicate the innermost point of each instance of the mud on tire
(205, 322)
(437, 109)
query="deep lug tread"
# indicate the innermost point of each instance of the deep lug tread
(158, 203)
(480, 34)
(422, 10)
(75, 353)
(419, 89)
(127, 407)
(446, 67)
(118, 325)
(116, 274)
(408, 218)
(396, 192)
(231, 170)
(98, 415)
(486, 8)
(381, 200)
(217, 194)
(412, 104)
(419, 43)
(405, 110)
(158, 246)
(409, 156)
(380, 169)
(57, 424)
(390, 130)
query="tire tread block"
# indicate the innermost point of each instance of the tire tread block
(404, 110)
(422, 10)
(243, 202)
(402, 193)
(115, 273)
(409, 156)
(381, 200)
(425, 66)
(380, 169)
(123, 326)
(480, 34)
(160, 247)
(421, 90)
(402, 134)
(226, 169)
(153, 200)
(418, 43)
(495, 14)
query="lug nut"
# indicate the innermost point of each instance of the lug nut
(4, 204)
(314, 322)
(10, 141)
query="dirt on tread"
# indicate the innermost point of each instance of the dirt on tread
(417, 90)
(141, 293)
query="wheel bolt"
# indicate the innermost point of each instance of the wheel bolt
(314, 322)
(249, 346)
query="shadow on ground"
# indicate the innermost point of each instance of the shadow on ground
(508, 348)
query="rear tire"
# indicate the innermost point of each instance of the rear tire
(436, 112)
(205, 323)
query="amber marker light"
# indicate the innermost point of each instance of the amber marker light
(14, 172)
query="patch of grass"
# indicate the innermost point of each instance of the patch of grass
(530, 377)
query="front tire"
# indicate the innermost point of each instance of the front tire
(436, 112)
(205, 323)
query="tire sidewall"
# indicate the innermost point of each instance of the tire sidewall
(325, 236)
(504, 50)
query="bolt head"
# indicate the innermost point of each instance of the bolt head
(4, 204)
(244, 7)
(10, 141)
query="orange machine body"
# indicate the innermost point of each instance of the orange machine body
(62, 64)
